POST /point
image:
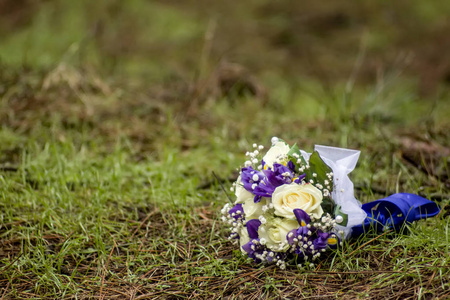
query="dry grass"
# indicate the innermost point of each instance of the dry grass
(196, 267)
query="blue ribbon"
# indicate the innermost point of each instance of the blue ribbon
(394, 212)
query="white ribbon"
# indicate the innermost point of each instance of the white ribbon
(342, 161)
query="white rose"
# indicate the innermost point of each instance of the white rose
(243, 238)
(279, 149)
(253, 210)
(274, 233)
(288, 197)
(241, 193)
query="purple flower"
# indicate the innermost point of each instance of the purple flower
(307, 239)
(279, 175)
(291, 166)
(251, 178)
(252, 228)
(273, 178)
(321, 242)
(303, 235)
(303, 218)
(303, 232)
(237, 212)
(263, 190)
(300, 178)
(254, 247)
(291, 236)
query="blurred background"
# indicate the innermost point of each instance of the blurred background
(162, 40)
(173, 70)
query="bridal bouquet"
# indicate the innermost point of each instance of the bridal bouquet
(293, 204)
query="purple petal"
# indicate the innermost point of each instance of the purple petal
(321, 242)
(275, 177)
(302, 217)
(300, 178)
(291, 166)
(252, 228)
(237, 207)
(290, 237)
(323, 235)
(303, 231)
(257, 198)
(248, 176)
(247, 248)
(263, 190)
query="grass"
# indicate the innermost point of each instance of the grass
(109, 137)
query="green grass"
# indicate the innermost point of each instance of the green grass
(107, 154)
(82, 217)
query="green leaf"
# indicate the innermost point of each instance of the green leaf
(295, 150)
(328, 205)
(339, 212)
(319, 167)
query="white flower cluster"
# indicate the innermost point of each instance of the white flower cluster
(329, 186)
(253, 156)
(326, 223)
(235, 220)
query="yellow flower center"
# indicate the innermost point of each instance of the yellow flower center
(332, 241)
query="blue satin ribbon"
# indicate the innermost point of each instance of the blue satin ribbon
(393, 212)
